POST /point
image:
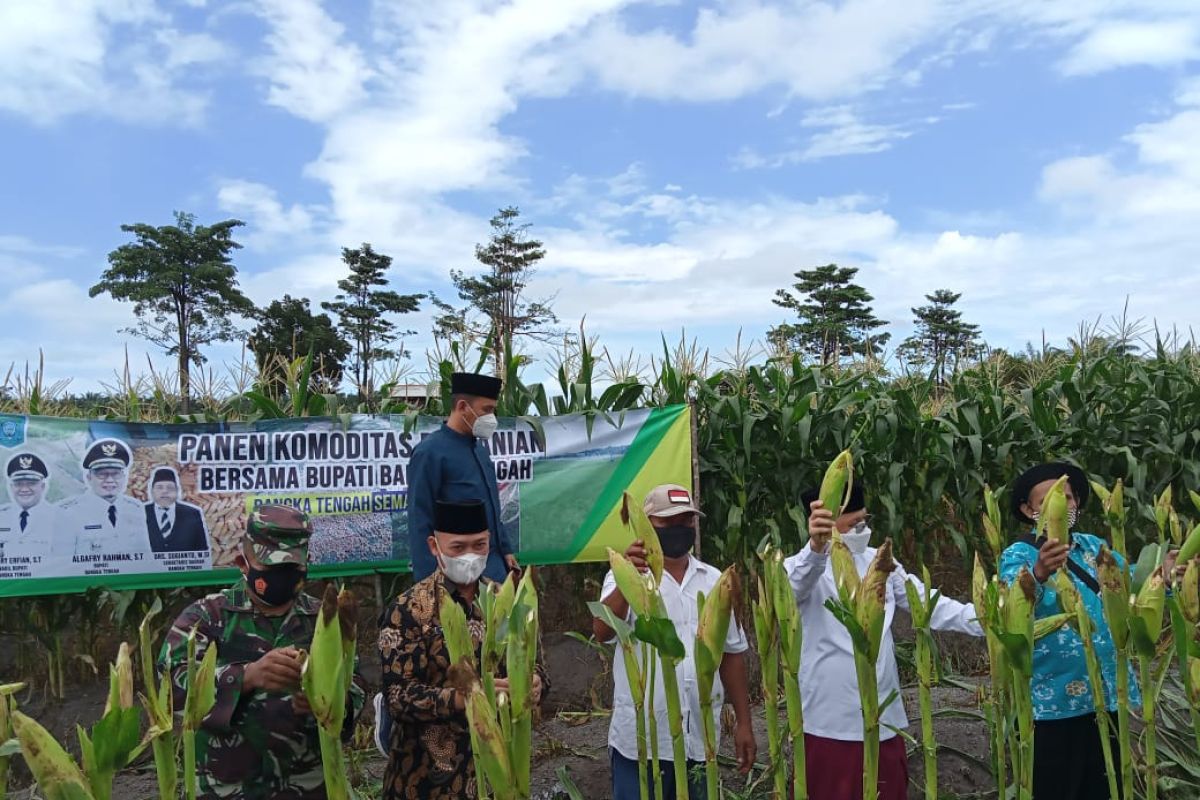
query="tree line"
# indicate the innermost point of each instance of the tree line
(183, 284)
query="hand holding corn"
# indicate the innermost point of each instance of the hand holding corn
(277, 671)
(535, 688)
(1051, 558)
(820, 526)
(636, 553)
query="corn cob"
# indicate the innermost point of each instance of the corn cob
(644, 531)
(1114, 513)
(1052, 521)
(837, 482)
(158, 701)
(490, 745)
(1190, 548)
(993, 525)
(325, 679)
(57, 775)
(845, 573)
(634, 587)
(1162, 513)
(1189, 591)
(711, 631)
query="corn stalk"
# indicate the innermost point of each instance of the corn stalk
(997, 696)
(201, 697)
(158, 701)
(1145, 628)
(1114, 595)
(712, 629)
(768, 637)
(637, 687)
(326, 676)
(1185, 617)
(921, 608)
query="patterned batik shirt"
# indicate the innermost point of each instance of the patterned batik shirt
(429, 753)
(1061, 688)
(252, 745)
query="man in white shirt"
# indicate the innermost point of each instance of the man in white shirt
(27, 523)
(828, 682)
(674, 517)
(107, 525)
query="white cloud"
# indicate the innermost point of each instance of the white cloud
(269, 221)
(314, 73)
(843, 133)
(119, 58)
(1123, 44)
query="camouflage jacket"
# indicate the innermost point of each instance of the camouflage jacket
(429, 754)
(251, 746)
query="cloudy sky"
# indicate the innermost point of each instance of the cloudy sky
(679, 160)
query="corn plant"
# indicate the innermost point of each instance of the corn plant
(326, 677)
(860, 608)
(1145, 627)
(1114, 595)
(7, 706)
(996, 698)
(114, 740)
(1184, 607)
(158, 701)
(766, 635)
(921, 607)
(777, 629)
(637, 680)
(201, 697)
(712, 629)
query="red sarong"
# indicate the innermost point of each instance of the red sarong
(835, 769)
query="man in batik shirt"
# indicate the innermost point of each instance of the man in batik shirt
(429, 748)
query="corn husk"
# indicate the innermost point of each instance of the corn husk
(1114, 596)
(845, 573)
(1052, 521)
(837, 482)
(1189, 592)
(1146, 614)
(871, 597)
(489, 744)
(1190, 548)
(58, 777)
(635, 517)
(1162, 512)
(634, 586)
(993, 525)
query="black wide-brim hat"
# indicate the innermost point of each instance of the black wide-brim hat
(1031, 477)
(856, 502)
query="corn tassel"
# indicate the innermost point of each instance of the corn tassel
(159, 703)
(201, 697)
(921, 608)
(837, 483)
(58, 777)
(7, 707)
(712, 629)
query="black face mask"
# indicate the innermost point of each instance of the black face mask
(276, 586)
(676, 540)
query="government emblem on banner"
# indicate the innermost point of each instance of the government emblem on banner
(12, 430)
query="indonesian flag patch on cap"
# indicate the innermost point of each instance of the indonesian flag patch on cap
(679, 497)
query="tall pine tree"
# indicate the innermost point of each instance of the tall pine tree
(942, 339)
(835, 319)
(496, 304)
(361, 307)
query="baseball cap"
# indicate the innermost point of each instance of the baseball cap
(279, 534)
(669, 500)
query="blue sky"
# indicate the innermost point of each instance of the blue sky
(679, 160)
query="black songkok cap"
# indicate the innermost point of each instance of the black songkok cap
(470, 383)
(856, 502)
(1031, 477)
(164, 475)
(460, 518)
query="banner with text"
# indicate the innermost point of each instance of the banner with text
(139, 505)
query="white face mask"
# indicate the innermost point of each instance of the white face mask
(857, 538)
(484, 426)
(462, 570)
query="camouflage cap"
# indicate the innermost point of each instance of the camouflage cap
(279, 535)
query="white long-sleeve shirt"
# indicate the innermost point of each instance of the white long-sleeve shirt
(828, 681)
(680, 600)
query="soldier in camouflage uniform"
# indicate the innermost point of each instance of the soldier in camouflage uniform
(260, 741)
